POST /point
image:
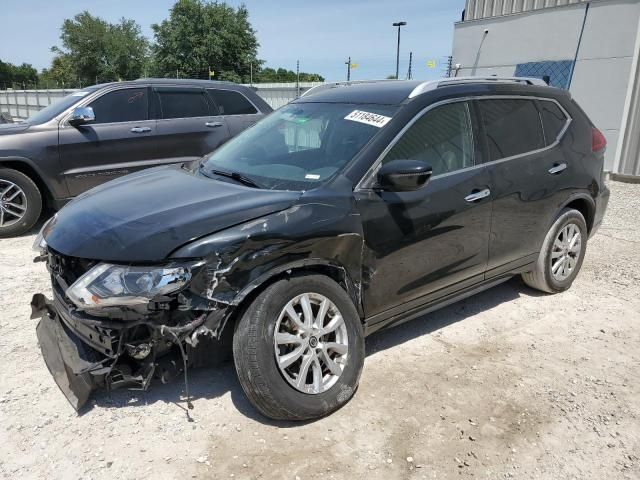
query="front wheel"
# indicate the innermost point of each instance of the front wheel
(562, 254)
(299, 348)
(20, 203)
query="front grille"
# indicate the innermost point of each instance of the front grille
(68, 269)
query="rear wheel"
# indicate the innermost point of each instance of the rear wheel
(561, 255)
(299, 348)
(20, 203)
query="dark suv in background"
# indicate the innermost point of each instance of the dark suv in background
(105, 131)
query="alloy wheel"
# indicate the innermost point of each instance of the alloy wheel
(13, 203)
(311, 343)
(565, 252)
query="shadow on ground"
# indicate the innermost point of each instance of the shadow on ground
(214, 382)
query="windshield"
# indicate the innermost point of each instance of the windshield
(300, 145)
(57, 107)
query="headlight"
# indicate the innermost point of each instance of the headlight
(107, 285)
(40, 244)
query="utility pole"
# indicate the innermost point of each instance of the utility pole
(399, 25)
(409, 75)
(297, 78)
(251, 73)
(348, 62)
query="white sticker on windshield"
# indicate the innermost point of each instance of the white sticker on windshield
(79, 94)
(312, 176)
(368, 118)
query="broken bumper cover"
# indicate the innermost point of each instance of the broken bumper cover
(68, 359)
(84, 353)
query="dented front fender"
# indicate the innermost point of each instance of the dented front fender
(311, 234)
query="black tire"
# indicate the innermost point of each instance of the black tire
(541, 277)
(255, 361)
(33, 200)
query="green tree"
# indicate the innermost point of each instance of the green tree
(283, 75)
(98, 51)
(199, 35)
(21, 75)
(60, 74)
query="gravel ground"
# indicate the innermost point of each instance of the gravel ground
(507, 384)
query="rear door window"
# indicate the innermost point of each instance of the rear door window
(553, 120)
(512, 127)
(126, 105)
(231, 103)
(182, 103)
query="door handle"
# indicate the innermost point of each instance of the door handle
(213, 124)
(557, 168)
(479, 195)
(140, 129)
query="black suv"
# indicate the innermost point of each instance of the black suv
(105, 131)
(353, 208)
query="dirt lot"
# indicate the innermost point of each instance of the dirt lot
(507, 384)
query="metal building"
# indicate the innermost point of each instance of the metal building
(590, 47)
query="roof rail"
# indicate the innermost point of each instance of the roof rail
(434, 84)
(327, 86)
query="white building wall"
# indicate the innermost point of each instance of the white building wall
(628, 154)
(601, 73)
(475, 9)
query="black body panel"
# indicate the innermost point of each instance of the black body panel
(117, 221)
(419, 242)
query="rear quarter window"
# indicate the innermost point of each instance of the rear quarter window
(512, 127)
(553, 120)
(231, 103)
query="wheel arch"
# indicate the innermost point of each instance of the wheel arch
(584, 204)
(336, 272)
(27, 167)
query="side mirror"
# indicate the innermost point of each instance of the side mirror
(403, 175)
(82, 115)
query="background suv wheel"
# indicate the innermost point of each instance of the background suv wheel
(561, 255)
(299, 348)
(20, 202)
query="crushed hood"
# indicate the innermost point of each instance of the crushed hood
(143, 217)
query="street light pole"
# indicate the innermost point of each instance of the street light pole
(399, 25)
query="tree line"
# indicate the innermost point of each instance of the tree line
(199, 39)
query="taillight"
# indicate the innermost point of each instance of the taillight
(598, 141)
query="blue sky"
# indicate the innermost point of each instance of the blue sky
(320, 33)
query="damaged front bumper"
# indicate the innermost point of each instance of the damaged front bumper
(85, 353)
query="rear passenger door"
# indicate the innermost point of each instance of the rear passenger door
(238, 111)
(189, 124)
(528, 175)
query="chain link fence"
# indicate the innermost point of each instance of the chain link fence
(21, 104)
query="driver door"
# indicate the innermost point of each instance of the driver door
(121, 140)
(423, 244)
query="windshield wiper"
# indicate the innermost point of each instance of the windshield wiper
(238, 177)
